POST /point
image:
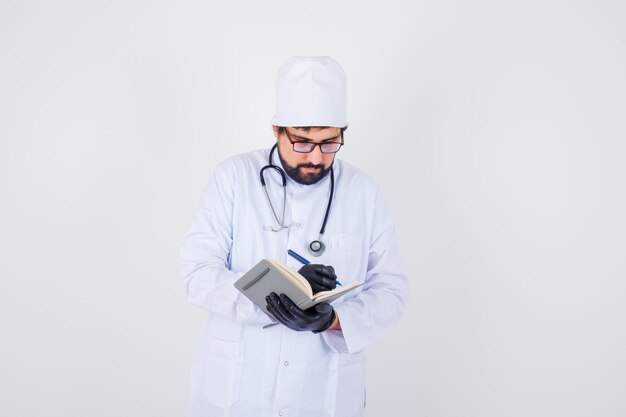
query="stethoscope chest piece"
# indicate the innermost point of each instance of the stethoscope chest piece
(317, 248)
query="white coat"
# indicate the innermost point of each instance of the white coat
(242, 369)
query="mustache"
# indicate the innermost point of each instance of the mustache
(310, 165)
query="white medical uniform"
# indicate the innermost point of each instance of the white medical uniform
(244, 370)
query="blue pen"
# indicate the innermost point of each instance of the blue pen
(304, 260)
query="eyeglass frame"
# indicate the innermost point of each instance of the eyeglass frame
(293, 142)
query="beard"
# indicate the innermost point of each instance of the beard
(298, 175)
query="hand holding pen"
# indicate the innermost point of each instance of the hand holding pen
(321, 277)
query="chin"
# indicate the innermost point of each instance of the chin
(309, 179)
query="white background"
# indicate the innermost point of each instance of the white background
(497, 130)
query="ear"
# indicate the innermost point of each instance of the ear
(275, 129)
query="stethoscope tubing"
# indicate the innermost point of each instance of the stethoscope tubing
(316, 247)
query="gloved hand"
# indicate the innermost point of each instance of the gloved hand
(321, 277)
(316, 319)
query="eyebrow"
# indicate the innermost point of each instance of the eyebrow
(311, 140)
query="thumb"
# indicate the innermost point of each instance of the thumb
(323, 308)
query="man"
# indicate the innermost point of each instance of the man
(295, 196)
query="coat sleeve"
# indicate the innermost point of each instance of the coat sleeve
(375, 310)
(205, 255)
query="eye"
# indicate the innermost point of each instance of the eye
(302, 146)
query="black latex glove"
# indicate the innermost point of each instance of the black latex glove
(316, 319)
(321, 277)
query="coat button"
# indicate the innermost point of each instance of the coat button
(286, 363)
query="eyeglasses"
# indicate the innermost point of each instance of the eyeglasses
(302, 146)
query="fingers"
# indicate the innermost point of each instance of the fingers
(328, 283)
(321, 283)
(304, 316)
(326, 270)
(324, 277)
(285, 311)
(276, 316)
(276, 307)
(292, 309)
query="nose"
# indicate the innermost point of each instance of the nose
(315, 156)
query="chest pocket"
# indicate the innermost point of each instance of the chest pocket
(347, 255)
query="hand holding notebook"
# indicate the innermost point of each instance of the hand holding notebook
(269, 276)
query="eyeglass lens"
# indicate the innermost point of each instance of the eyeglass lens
(305, 147)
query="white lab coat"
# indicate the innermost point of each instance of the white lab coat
(242, 369)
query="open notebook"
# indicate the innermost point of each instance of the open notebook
(273, 276)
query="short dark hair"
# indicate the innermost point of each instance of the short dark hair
(281, 129)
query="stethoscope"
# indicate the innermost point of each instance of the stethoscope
(316, 247)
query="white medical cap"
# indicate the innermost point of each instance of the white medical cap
(311, 91)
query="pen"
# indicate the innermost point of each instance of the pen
(304, 261)
(298, 257)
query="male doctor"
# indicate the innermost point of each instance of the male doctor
(312, 363)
